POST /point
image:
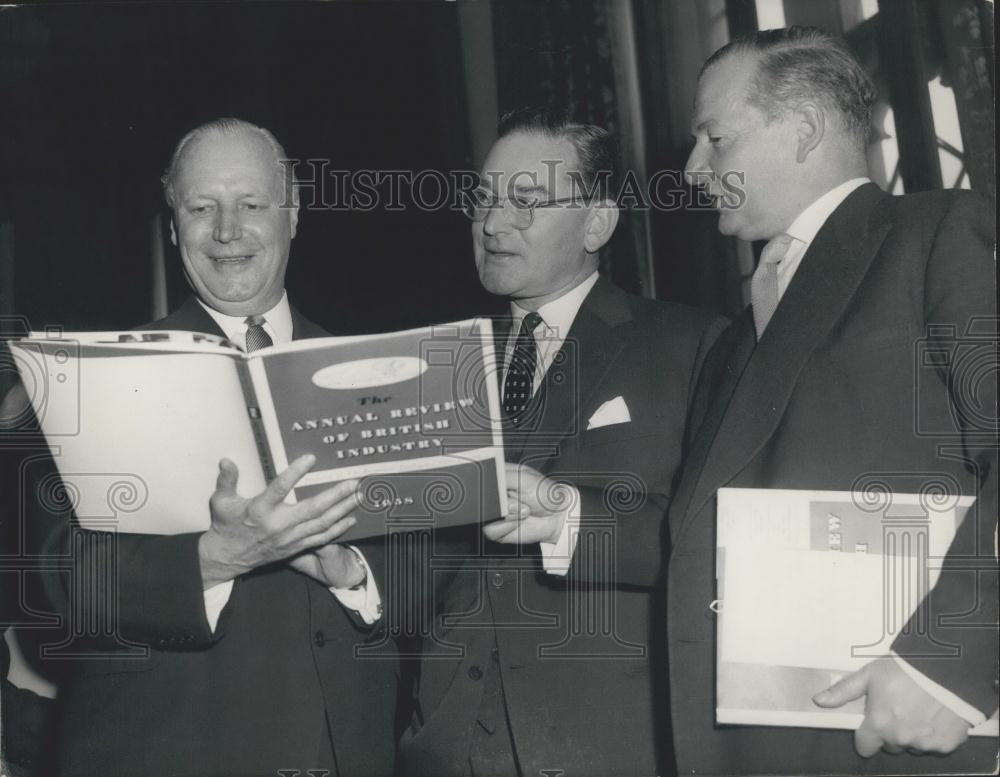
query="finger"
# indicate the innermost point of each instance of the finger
(335, 531)
(944, 735)
(892, 749)
(312, 525)
(229, 474)
(344, 492)
(279, 488)
(500, 531)
(866, 741)
(520, 476)
(516, 508)
(854, 686)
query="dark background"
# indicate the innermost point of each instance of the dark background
(95, 97)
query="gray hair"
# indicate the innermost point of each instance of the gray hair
(225, 126)
(800, 63)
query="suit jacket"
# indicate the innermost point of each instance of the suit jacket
(574, 659)
(270, 689)
(839, 392)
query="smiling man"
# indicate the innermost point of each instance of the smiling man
(230, 655)
(234, 219)
(524, 672)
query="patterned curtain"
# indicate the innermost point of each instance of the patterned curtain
(560, 52)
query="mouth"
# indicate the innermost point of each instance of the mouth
(498, 253)
(232, 260)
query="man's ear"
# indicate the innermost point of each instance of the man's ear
(293, 212)
(173, 232)
(810, 125)
(600, 225)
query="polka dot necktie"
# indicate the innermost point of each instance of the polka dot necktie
(521, 370)
(257, 336)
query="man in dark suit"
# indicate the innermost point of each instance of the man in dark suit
(524, 672)
(231, 656)
(819, 385)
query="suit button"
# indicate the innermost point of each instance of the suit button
(319, 638)
(475, 673)
(497, 580)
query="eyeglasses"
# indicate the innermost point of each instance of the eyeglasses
(518, 210)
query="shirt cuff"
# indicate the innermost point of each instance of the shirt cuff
(941, 694)
(363, 599)
(557, 557)
(216, 599)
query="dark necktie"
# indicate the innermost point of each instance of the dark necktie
(257, 337)
(521, 370)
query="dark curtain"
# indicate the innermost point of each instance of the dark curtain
(559, 52)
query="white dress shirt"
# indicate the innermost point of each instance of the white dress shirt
(557, 318)
(365, 599)
(803, 231)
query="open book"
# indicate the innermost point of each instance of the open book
(813, 585)
(137, 422)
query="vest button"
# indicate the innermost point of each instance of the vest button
(475, 673)
(319, 638)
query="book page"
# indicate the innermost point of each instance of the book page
(138, 438)
(814, 609)
(139, 341)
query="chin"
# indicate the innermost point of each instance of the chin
(497, 283)
(742, 231)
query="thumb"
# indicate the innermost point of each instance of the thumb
(854, 686)
(229, 474)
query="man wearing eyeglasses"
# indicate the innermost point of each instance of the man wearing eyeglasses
(525, 672)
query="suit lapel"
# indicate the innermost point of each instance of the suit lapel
(831, 271)
(192, 317)
(189, 317)
(592, 345)
(587, 354)
(742, 341)
(303, 328)
(501, 333)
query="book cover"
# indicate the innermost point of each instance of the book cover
(812, 585)
(137, 422)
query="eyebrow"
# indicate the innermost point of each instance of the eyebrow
(214, 195)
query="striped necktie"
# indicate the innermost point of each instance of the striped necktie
(257, 336)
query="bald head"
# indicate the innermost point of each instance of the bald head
(227, 126)
(232, 220)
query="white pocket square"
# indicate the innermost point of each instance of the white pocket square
(614, 411)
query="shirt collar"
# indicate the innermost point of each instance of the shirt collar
(278, 322)
(810, 220)
(560, 312)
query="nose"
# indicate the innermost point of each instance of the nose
(227, 226)
(496, 220)
(695, 170)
